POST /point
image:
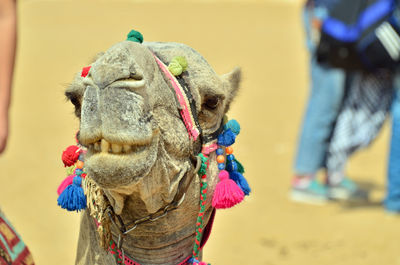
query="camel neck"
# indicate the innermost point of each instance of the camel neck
(119, 257)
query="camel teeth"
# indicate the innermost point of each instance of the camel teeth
(127, 148)
(116, 148)
(105, 146)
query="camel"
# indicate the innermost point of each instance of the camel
(140, 158)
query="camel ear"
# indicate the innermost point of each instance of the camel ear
(233, 80)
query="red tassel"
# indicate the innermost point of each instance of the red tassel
(70, 155)
(227, 193)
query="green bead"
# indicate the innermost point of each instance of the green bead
(135, 36)
(175, 68)
(182, 61)
(177, 65)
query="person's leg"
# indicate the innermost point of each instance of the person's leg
(326, 93)
(327, 88)
(365, 108)
(392, 201)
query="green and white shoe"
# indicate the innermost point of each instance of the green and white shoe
(347, 190)
(308, 190)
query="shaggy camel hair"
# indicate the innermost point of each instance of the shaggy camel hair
(139, 148)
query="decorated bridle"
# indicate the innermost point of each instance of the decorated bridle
(78, 191)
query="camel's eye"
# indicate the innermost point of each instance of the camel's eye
(211, 102)
(75, 99)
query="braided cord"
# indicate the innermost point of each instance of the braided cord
(203, 198)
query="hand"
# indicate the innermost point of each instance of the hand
(3, 132)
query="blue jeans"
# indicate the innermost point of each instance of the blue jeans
(392, 201)
(326, 95)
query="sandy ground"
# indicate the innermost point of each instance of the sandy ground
(265, 38)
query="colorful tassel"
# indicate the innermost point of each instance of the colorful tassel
(65, 183)
(135, 36)
(73, 197)
(71, 155)
(227, 193)
(240, 167)
(226, 138)
(240, 181)
(233, 125)
(70, 170)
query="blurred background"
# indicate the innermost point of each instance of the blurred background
(265, 38)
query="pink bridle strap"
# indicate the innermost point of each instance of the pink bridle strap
(185, 111)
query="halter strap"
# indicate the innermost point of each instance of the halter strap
(185, 100)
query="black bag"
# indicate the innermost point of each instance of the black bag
(361, 35)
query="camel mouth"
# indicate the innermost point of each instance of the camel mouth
(105, 147)
(113, 165)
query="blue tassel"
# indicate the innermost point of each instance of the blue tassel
(227, 138)
(241, 181)
(231, 166)
(233, 125)
(73, 198)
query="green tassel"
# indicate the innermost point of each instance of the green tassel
(240, 167)
(135, 36)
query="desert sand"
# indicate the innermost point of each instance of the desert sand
(265, 38)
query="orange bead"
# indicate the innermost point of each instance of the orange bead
(79, 164)
(229, 150)
(220, 159)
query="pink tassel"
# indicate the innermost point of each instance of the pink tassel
(227, 193)
(66, 182)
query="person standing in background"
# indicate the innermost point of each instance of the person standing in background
(12, 249)
(325, 99)
(8, 33)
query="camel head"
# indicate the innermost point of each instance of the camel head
(130, 123)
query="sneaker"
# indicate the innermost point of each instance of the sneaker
(347, 190)
(308, 190)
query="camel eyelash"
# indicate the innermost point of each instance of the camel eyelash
(212, 102)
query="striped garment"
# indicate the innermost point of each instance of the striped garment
(13, 250)
(365, 107)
